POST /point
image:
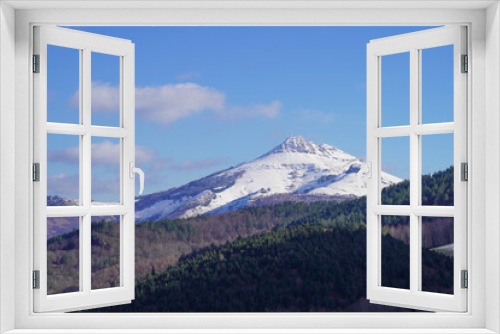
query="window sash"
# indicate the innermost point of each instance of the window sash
(413, 43)
(86, 297)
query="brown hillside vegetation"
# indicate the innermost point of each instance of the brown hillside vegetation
(159, 244)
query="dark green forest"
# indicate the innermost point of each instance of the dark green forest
(300, 269)
(281, 257)
(437, 189)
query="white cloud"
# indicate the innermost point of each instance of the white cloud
(143, 154)
(68, 186)
(266, 110)
(315, 115)
(105, 98)
(67, 155)
(198, 164)
(108, 186)
(64, 185)
(106, 152)
(189, 75)
(159, 164)
(169, 103)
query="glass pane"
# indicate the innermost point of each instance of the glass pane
(395, 89)
(437, 84)
(63, 167)
(105, 170)
(105, 90)
(105, 252)
(63, 255)
(396, 251)
(437, 169)
(437, 254)
(63, 84)
(395, 170)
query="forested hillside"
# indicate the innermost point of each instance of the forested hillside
(437, 189)
(301, 269)
(159, 244)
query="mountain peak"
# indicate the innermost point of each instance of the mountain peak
(299, 144)
(295, 140)
(296, 167)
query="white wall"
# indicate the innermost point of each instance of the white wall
(22, 140)
(491, 165)
(7, 160)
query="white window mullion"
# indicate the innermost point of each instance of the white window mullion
(421, 129)
(415, 260)
(123, 173)
(67, 129)
(85, 152)
(378, 263)
(377, 175)
(103, 131)
(406, 210)
(414, 170)
(80, 130)
(417, 121)
(86, 173)
(372, 155)
(434, 129)
(86, 254)
(82, 167)
(395, 131)
(418, 130)
(123, 185)
(80, 255)
(127, 119)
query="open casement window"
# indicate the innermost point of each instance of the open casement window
(415, 126)
(96, 267)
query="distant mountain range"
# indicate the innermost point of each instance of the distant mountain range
(296, 170)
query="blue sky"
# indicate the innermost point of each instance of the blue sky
(208, 98)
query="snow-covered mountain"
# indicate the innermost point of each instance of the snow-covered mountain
(297, 168)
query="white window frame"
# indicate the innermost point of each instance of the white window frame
(414, 43)
(86, 44)
(483, 21)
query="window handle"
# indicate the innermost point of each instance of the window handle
(139, 171)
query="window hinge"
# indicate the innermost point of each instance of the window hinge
(465, 279)
(465, 64)
(464, 171)
(36, 63)
(36, 279)
(36, 172)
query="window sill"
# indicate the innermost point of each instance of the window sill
(248, 331)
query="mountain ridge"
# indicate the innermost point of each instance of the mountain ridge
(294, 167)
(295, 170)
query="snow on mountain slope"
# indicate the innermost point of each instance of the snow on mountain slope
(296, 166)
